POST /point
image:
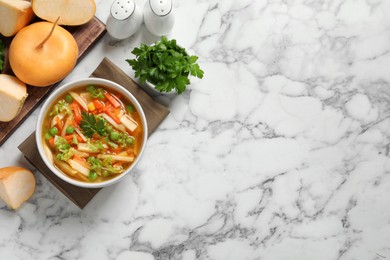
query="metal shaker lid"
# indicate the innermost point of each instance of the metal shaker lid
(122, 9)
(161, 7)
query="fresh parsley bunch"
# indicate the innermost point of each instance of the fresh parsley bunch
(165, 64)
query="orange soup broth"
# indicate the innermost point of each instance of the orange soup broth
(129, 150)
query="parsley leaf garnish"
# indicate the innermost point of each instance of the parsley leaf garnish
(90, 125)
(1, 54)
(165, 64)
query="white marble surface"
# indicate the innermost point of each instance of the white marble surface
(280, 152)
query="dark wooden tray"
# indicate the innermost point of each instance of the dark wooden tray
(86, 36)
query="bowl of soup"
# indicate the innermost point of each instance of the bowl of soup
(91, 132)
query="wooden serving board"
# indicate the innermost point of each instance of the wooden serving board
(86, 36)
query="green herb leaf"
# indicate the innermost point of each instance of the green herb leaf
(90, 125)
(165, 64)
(95, 146)
(61, 144)
(196, 71)
(107, 166)
(96, 163)
(61, 107)
(95, 92)
(65, 156)
(66, 151)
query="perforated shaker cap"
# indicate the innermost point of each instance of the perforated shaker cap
(161, 7)
(122, 9)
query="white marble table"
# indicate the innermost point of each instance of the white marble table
(280, 152)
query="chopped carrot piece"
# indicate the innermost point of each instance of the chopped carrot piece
(117, 164)
(98, 104)
(115, 103)
(59, 123)
(111, 114)
(78, 158)
(116, 150)
(51, 141)
(68, 137)
(77, 112)
(95, 112)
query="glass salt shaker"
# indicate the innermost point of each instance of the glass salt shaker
(124, 20)
(158, 16)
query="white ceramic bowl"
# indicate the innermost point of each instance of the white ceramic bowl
(75, 84)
